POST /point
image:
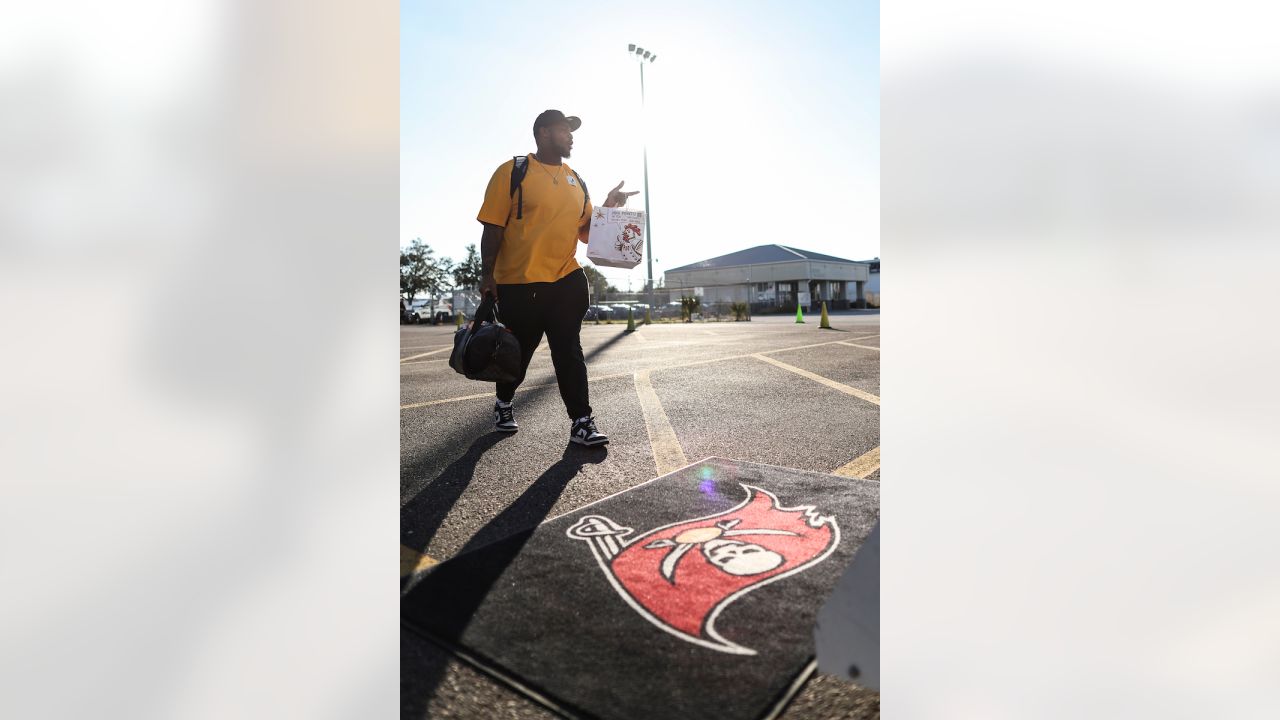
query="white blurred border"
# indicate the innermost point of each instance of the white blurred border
(197, 222)
(1079, 216)
(198, 443)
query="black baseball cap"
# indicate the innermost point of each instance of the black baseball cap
(551, 117)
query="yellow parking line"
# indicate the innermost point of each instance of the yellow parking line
(864, 347)
(667, 453)
(412, 561)
(861, 394)
(433, 352)
(860, 467)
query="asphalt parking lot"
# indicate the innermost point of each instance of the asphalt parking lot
(769, 391)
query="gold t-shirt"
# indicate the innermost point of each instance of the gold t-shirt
(539, 247)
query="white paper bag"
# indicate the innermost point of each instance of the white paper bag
(617, 237)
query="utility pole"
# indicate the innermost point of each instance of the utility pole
(642, 55)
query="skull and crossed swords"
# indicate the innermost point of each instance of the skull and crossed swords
(735, 557)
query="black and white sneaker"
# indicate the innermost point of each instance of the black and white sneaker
(584, 432)
(503, 417)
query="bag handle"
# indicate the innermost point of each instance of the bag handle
(488, 308)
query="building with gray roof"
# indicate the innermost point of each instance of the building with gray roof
(774, 277)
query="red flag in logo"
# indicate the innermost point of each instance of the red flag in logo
(681, 576)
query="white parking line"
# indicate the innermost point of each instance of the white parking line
(425, 354)
(861, 394)
(477, 396)
(860, 467)
(522, 388)
(668, 455)
(864, 347)
(797, 347)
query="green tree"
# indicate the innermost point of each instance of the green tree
(439, 278)
(689, 305)
(467, 273)
(599, 283)
(414, 268)
(422, 272)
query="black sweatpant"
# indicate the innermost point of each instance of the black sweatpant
(555, 308)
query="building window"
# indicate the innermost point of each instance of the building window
(785, 294)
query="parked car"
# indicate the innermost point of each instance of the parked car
(419, 312)
(598, 312)
(409, 316)
(671, 309)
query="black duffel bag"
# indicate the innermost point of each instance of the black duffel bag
(485, 349)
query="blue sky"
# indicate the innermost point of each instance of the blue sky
(762, 118)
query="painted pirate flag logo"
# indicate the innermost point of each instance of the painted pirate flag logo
(681, 576)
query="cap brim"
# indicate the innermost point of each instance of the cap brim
(574, 123)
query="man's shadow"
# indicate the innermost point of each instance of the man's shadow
(451, 593)
(422, 666)
(423, 515)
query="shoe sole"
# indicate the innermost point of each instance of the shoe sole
(499, 428)
(589, 444)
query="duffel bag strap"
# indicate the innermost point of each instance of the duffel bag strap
(486, 308)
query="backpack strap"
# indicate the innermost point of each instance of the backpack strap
(519, 166)
(586, 196)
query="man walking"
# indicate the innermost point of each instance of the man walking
(536, 209)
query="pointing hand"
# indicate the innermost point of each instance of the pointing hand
(617, 198)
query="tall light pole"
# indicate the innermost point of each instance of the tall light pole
(642, 55)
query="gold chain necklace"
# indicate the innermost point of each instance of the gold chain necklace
(554, 178)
